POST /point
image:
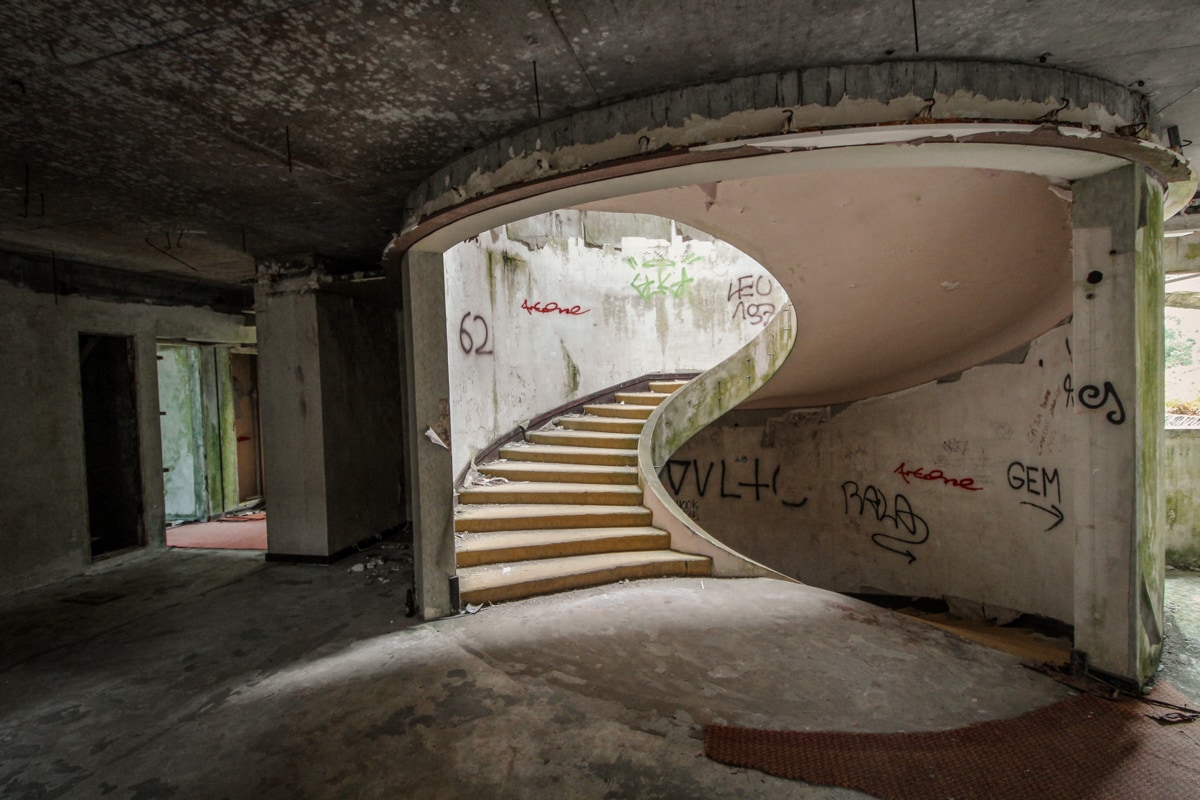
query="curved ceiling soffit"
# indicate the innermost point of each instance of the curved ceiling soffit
(1081, 125)
(1084, 127)
(896, 276)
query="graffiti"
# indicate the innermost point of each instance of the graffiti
(676, 472)
(936, 475)
(691, 508)
(747, 287)
(664, 281)
(551, 307)
(467, 342)
(913, 528)
(754, 313)
(1095, 397)
(1038, 482)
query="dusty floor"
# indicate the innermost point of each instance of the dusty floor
(215, 675)
(1181, 650)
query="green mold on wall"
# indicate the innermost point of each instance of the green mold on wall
(572, 370)
(1151, 542)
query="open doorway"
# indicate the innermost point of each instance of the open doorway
(212, 475)
(111, 443)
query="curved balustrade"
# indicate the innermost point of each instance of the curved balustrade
(688, 411)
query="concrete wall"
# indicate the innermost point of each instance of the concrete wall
(948, 489)
(559, 306)
(331, 400)
(43, 496)
(1181, 487)
(361, 412)
(293, 433)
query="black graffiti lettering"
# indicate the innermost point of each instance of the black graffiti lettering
(467, 341)
(701, 488)
(723, 492)
(742, 287)
(1095, 397)
(676, 485)
(756, 485)
(1049, 480)
(1069, 390)
(1034, 479)
(911, 526)
(675, 473)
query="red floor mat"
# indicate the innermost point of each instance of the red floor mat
(223, 535)
(1083, 748)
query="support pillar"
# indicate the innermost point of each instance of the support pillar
(1116, 390)
(430, 468)
(329, 387)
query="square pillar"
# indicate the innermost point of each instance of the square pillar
(329, 387)
(430, 468)
(1116, 393)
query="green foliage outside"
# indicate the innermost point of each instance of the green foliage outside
(1179, 351)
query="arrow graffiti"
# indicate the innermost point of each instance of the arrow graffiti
(1053, 510)
(911, 527)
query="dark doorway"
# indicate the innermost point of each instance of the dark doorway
(110, 442)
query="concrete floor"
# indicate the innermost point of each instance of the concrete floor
(194, 674)
(1180, 662)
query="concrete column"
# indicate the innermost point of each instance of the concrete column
(1116, 391)
(430, 471)
(329, 386)
(293, 429)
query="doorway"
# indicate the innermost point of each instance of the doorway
(212, 465)
(112, 451)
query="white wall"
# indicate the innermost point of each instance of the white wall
(822, 498)
(43, 494)
(639, 298)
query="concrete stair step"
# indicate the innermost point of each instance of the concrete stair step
(666, 387)
(618, 441)
(479, 518)
(640, 398)
(474, 549)
(498, 582)
(568, 454)
(552, 493)
(589, 422)
(624, 410)
(564, 473)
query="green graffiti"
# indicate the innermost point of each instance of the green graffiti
(664, 280)
(647, 286)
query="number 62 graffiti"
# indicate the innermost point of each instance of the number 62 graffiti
(467, 342)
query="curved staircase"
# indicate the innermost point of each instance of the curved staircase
(563, 510)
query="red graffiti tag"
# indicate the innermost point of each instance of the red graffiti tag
(936, 475)
(551, 307)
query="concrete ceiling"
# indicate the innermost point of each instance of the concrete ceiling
(193, 138)
(878, 309)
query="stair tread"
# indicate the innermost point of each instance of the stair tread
(641, 398)
(620, 410)
(566, 454)
(523, 516)
(552, 492)
(617, 441)
(488, 576)
(498, 540)
(600, 424)
(667, 387)
(568, 473)
(515, 510)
